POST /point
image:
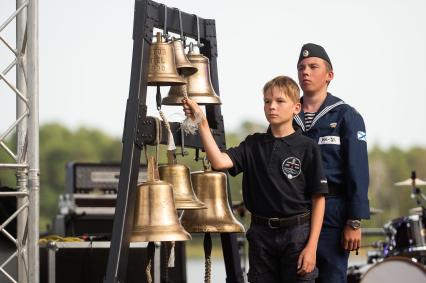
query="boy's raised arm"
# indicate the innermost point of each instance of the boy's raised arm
(219, 160)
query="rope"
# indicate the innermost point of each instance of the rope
(148, 271)
(157, 140)
(56, 238)
(207, 257)
(171, 262)
(170, 141)
(150, 254)
(190, 126)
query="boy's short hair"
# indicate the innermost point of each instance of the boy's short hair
(287, 85)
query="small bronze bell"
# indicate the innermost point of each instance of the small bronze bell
(210, 188)
(184, 66)
(162, 66)
(178, 175)
(198, 86)
(155, 218)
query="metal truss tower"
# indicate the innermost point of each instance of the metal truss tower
(24, 61)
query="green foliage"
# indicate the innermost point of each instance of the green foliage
(386, 168)
(59, 145)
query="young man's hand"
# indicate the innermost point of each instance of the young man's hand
(351, 239)
(307, 260)
(191, 108)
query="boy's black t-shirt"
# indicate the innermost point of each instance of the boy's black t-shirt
(280, 174)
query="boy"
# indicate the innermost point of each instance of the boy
(283, 187)
(339, 130)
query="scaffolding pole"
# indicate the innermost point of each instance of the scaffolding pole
(26, 127)
(33, 142)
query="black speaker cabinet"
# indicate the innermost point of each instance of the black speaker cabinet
(86, 262)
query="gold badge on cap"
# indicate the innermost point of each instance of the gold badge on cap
(305, 53)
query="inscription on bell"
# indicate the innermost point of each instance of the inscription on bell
(160, 51)
(158, 68)
(158, 60)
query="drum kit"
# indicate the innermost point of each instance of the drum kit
(402, 257)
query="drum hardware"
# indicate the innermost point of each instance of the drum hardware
(416, 193)
(395, 270)
(406, 235)
(355, 272)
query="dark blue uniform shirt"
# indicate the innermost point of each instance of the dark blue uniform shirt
(280, 174)
(339, 130)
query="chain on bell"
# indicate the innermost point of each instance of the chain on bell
(155, 218)
(162, 69)
(210, 188)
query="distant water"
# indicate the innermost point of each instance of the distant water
(195, 269)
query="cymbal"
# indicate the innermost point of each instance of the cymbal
(409, 182)
(374, 211)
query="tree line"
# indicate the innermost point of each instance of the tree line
(60, 145)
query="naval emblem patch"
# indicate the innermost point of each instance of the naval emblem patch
(291, 167)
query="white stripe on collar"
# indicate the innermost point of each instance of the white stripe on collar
(318, 116)
(299, 122)
(325, 111)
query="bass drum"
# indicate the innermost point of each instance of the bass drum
(395, 270)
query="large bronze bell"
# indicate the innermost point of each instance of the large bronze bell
(178, 175)
(155, 218)
(210, 188)
(162, 69)
(198, 86)
(183, 65)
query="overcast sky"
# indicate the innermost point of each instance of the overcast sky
(378, 51)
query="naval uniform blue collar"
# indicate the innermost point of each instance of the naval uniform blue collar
(328, 105)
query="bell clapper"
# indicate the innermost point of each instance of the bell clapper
(158, 98)
(182, 142)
